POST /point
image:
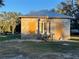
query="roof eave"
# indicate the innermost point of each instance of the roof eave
(61, 17)
(46, 17)
(33, 17)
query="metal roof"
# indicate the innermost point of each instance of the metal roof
(49, 14)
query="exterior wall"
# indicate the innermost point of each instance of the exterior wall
(44, 26)
(42, 21)
(29, 26)
(60, 29)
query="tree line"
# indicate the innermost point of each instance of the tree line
(9, 21)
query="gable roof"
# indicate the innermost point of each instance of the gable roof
(47, 13)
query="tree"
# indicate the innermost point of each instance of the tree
(71, 8)
(65, 7)
(1, 3)
(9, 21)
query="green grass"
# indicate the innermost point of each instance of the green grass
(28, 47)
(9, 37)
(52, 46)
(42, 46)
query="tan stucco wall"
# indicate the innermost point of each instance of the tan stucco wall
(60, 28)
(28, 25)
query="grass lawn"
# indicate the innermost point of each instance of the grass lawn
(29, 46)
(36, 49)
(53, 46)
(9, 37)
(44, 46)
(41, 46)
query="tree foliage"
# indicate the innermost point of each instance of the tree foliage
(9, 21)
(1, 3)
(70, 8)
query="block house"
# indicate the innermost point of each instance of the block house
(40, 22)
